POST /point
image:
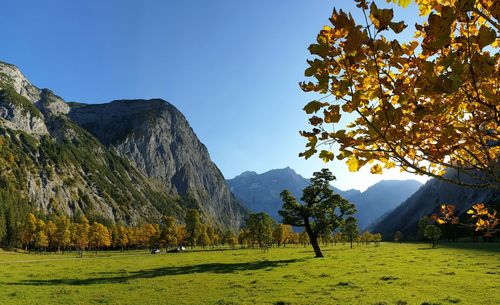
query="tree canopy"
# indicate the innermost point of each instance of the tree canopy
(320, 210)
(424, 105)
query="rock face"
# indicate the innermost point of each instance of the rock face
(427, 200)
(261, 192)
(126, 161)
(159, 142)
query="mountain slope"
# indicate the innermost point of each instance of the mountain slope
(381, 198)
(159, 142)
(261, 193)
(427, 200)
(126, 161)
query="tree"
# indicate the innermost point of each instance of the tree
(337, 237)
(433, 233)
(304, 238)
(63, 233)
(425, 105)
(203, 238)
(168, 235)
(244, 238)
(193, 226)
(485, 220)
(28, 233)
(281, 233)
(99, 236)
(260, 228)
(398, 236)
(149, 235)
(350, 229)
(422, 224)
(366, 237)
(41, 240)
(230, 239)
(321, 210)
(51, 232)
(122, 239)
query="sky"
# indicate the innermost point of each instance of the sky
(232, 67)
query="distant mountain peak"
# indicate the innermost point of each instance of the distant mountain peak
(260, 192)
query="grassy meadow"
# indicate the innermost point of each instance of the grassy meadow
(387, 274)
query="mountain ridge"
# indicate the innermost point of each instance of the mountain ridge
(260, 192)
(65, 162)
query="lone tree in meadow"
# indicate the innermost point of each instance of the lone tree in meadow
(320, 208)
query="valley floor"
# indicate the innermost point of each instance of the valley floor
(387, 274)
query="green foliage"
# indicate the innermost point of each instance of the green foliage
(10, 96)
(193, 226)
(433, 233)
(350, 229)
(321, 211)
(260, 228)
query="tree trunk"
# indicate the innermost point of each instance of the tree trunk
(314, 243)
(313, 238)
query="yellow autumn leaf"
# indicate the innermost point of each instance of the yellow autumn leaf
(376, 169)
(353, 163)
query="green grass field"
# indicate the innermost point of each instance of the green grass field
(388, 274)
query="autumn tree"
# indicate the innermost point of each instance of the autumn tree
(350, 229)
(482, 219)
(80, 234)
(321, 209)
(41, 240)
(63, 233)
(51, 232)
(28, 232)
(244, 238)
(99, 236)
(424, 105)
(168, 235)
(122, 240)
(281, 234)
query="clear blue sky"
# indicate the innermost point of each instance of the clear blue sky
(232, 67)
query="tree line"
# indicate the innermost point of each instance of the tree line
(262, 231)
(60, 233)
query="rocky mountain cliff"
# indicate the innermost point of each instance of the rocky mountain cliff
(427, 200)
(126, 161)
(260, 192)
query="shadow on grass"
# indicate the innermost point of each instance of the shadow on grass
(476, 246)
(124, 276)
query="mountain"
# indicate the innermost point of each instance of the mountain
(382, 197)
(427, 200)
(260, 192)
(125, 161)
